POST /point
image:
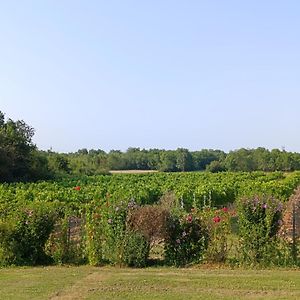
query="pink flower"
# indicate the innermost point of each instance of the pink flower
(225, 209)
(77, 188)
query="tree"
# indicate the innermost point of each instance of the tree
(16, 148)
(168, 161)
(239, 160)
(215, 166)
(184, 160)
(58, 164)
(202, 158)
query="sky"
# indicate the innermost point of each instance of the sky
(152, 74)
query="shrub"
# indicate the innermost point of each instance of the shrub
(217, 222)
(150, 221)
(96, 223)
(186, 240)
(259, 220)
(106, 230)
(6, 243)
(23, 236)
(136, 249)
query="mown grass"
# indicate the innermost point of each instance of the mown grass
(86, 282)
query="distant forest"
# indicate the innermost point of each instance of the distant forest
(21, 160)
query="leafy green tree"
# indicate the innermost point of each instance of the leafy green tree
(239, 160)
(184, 160)
(168, 161)
(58, 164)
(16, 149)
(116, 161)
(215, 166)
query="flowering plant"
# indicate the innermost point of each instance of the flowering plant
(186, 239)
(217, 222)
(259, 219)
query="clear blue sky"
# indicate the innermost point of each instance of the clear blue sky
(153, 74)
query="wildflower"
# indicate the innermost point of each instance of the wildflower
(109, 221)
(184, 234)
(77, 188)
(264, 206)
(216, 219)
(178, 241)
(225, 209)
(189, 218)
(132, 203)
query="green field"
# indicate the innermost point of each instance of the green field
(164, 283)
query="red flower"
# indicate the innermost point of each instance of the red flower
(189, 218)
(225, 209)
(77, 188)
(217, 219)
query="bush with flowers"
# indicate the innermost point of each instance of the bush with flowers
(186, 239)
(218, 223)
(259, 220)
(108, 238)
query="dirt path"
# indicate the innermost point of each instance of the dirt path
(81, 289)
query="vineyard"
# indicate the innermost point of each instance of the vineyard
(192, 189)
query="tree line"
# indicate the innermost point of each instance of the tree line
(21, 160)
(180, 160)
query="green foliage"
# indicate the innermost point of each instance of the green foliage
(23, 236)
(136, 249)
(218, 224)
(105, 204)
(259, 222)
(191, 189)
(106, 231)
(66, 241)
(215, 166)
(96, 226)
(16, 148)
(186, 240)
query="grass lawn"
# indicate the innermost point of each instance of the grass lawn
(87, 282)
